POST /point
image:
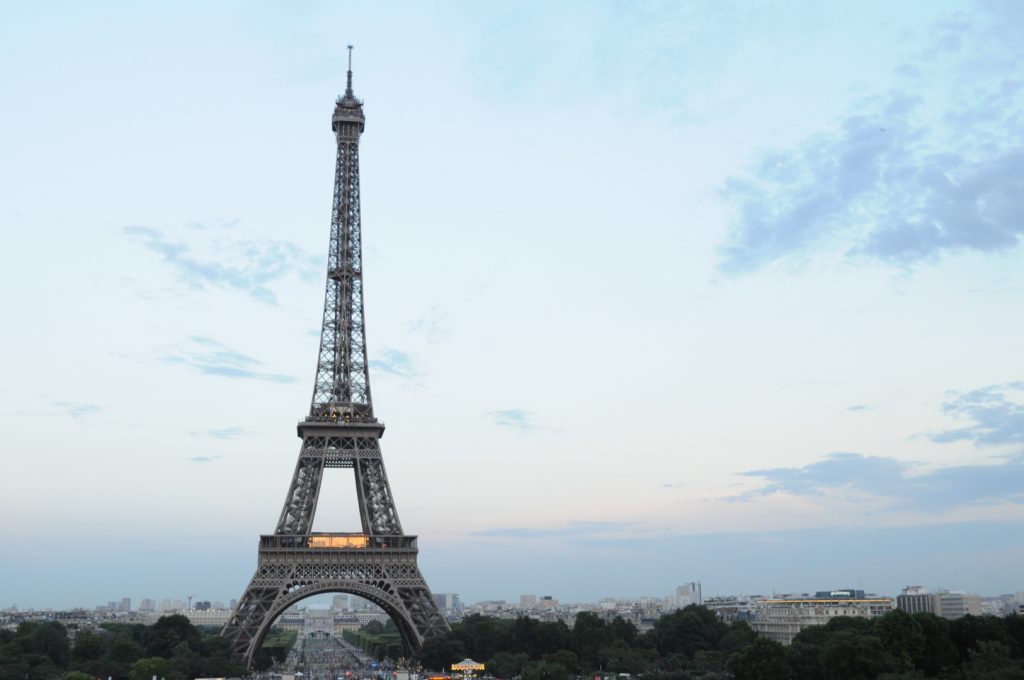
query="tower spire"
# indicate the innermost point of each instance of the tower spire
(348, 88)
(342, 386)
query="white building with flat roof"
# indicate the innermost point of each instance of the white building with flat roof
(687, 594)
(944, 603)
(781, 619)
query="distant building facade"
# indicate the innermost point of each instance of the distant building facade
(448, 604)
(687, 594)
(944, 603)
(780, 619)
(954, 605)
(207, 617)
(318, 621)
(547, 602)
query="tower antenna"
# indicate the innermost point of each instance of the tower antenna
(348, 89)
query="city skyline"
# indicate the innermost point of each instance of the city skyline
(683, 595)
(192, 601)
(653, 293)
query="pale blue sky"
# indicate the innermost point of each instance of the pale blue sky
(670, 288)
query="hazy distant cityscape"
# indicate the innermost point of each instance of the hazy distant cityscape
(778, 616)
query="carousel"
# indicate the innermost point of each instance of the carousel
(467, 668)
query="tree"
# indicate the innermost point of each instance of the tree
(623, 630)
(939, 652)
(88, 647)
(183, 660)
(485, 636)
(850, 655)
(123, 650)
(621, 658)
(48, 639)
(440, 652)
(805, 659)
(544, 670)
(168, 632)
(525, 633)
(1014, 627)
(992, 660)
(671, 663)
(967, 631)
(537, 638)
(566, 659)
(739, 636)
(902, 636)
(710, 661)
(820, 635)
(76, 675)
(507, 664)
(688, 630)
(145, 669)
(762, 659)
(590, 634)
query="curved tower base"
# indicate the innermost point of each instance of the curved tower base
(384, 572)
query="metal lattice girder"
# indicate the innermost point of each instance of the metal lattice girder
(289, 570)
(342, 386)
(378, 564)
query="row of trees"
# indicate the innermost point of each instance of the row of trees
(694, 643)
(689, 643)
(171, 648)
(376, 639)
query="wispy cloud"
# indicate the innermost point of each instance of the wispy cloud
(395, 362)
(856, 475)
(996, 418)
(432, 325)
(220, 433)
(570, 530)
(515, 418)
(859, 407)
(210, 357)
(75, 409)
(247, 266)
(911, 175)
(204, 459)
(225, 433)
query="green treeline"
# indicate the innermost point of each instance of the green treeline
(689, 643)
(275, 648)
(171, 648)
(381, 641)
(694, 643)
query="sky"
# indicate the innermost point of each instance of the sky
(656, 292)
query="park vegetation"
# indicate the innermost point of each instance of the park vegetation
(377, 639)
(172, 648)
(688, 643)
(694, 643)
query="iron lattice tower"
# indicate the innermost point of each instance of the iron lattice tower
(379, 563)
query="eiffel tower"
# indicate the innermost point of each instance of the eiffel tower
(378, 563)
